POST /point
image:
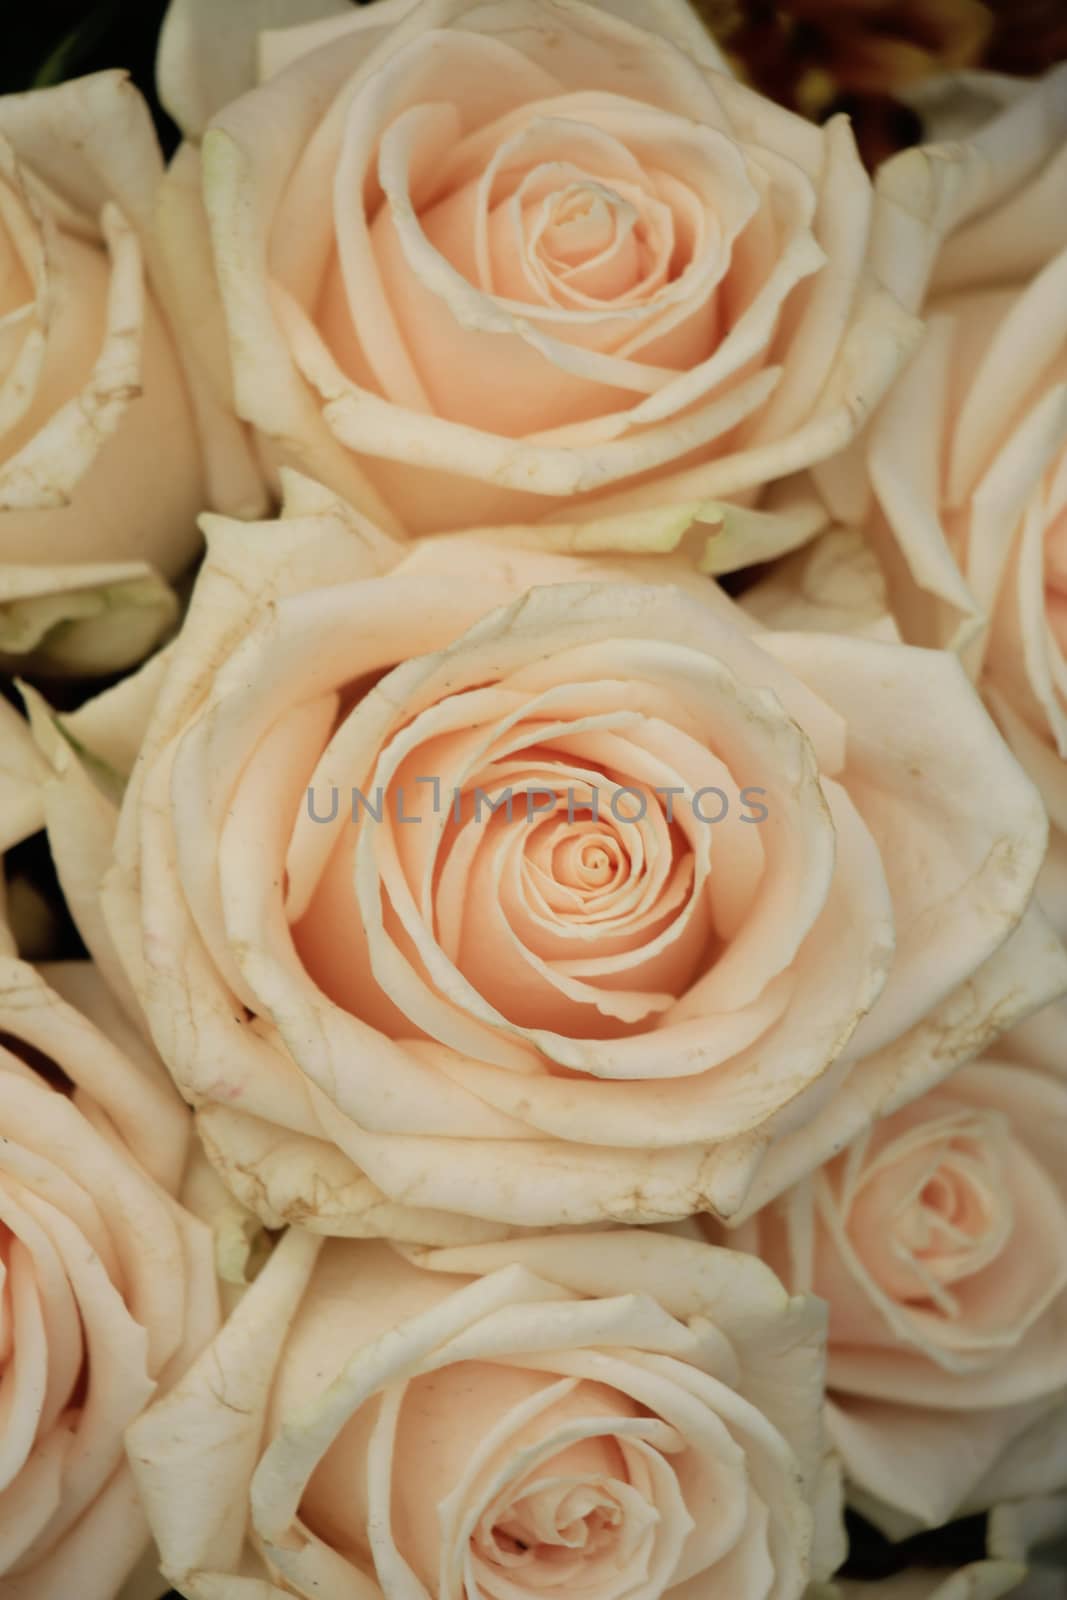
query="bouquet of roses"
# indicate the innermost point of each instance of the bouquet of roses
(533, 783)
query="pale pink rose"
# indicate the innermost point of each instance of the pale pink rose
(425, 1027)
(968, 455)
(101, 472)
(478, 263)
(107, 1288)
(939, 1241)
(582, 1415)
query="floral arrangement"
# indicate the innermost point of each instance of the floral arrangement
(533, 795)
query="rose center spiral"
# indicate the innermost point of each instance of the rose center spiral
(589, 859)
(951, 1217)
(584, 220)
(552, 1519)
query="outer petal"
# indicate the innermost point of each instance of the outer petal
(79, 486)
(80, 807)
(133, 1093)
(930, 191)
(216, 1414)
(92, 142)
(184, 276)
(292, 1178)
(207, 57)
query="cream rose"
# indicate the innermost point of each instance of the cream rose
(528, 260)
(939, 1241)
(968, 455)
(107, 1287)
(630, 998)
(101, 473)
(594, 1415)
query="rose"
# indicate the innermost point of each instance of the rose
(939, 1241)
(968, 455)
(400, 1027)
(478, 261)
(106, 1284)
(93, 513)
(588, 1414)
(101, 477)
